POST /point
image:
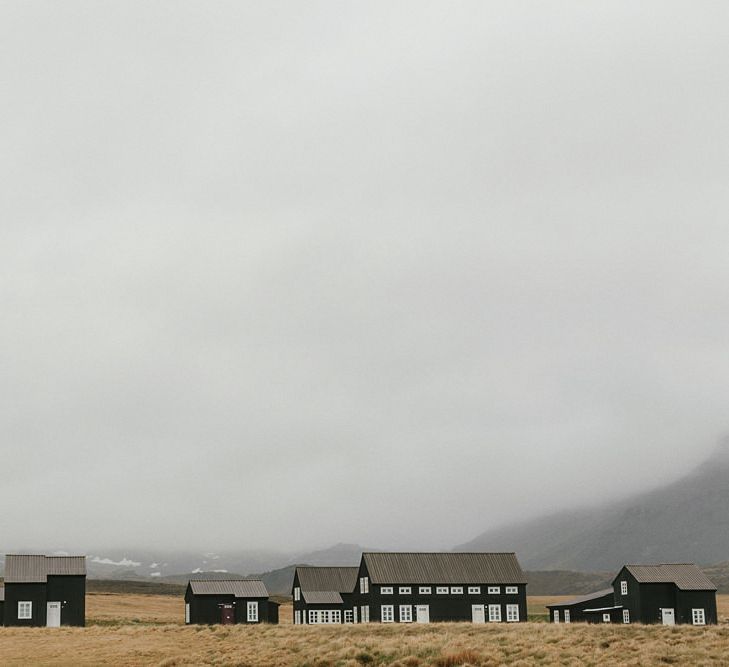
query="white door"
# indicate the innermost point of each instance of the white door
(422, 613)
(53, 614)
(669, 617)
(477, 613)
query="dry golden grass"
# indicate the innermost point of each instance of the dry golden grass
(147, 630)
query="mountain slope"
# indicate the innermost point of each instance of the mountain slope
(687, 520)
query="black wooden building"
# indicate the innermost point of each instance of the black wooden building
(2, 604)
(671, 593)
(573, 610)
(44, 590)
(229, 602)
(433, 587)
(324, 595)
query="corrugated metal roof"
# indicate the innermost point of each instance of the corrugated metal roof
(592, 611)
(21, 568)
(240, 588)
(340, 579)
(687, 576)
(322, 597)
(444, 568)
(583, 598)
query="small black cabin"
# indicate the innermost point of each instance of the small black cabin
(671, 593)
(229, 602)
(573, 611)
(45, 590)
(323, 595)
(433, 587)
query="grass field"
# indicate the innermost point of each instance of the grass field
(147, 630)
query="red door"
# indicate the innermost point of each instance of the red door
(227, 614)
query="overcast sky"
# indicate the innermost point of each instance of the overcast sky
(286, 274)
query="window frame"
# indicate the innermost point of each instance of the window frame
(623, 587)
(474, 590)
(456, 590)
(512, 590)
(25, 610)
(387, 613)
(495, 613)
(494, 590)
(407, 617)
(698, 612)
(567, 616)
(386, 590)
(512, 613)
(364, 585)
(297, 594)
(441, 590)
(252, 611)
(606, 618)
(405, 590)
(626, 616)
(348, 616)
(425, 590)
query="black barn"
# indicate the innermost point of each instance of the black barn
(324, 595)
(573, 611)
(45, 590)
(672, 593)
(229, 602)
(433, 587)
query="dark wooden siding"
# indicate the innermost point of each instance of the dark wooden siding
(35, 593)
(689, 600)
(70, 591)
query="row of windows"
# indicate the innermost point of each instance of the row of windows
(698, 616)
(405, 613)
(445, 590)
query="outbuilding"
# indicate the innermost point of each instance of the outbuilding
(573, 610)
(229, 602)
(670, 594)
(324, 595)
(44, 590)
(426, 587)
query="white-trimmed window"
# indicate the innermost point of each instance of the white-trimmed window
(456, 590)
(555, 615)
(187, 612)
(623, 588)
(252, 612)
(494, 613)
(354, 613)
(606, 618)
(474, 590)
(441, 590)
(425, 590)
(404, 590)
(297, 594)
(348, 616)
(567, 616)
(406, 613)
(512, 590)
(494, 590)
(25, 610)
(385, 590)
(364, 585)
(365, 613)
(313, 616)
(387, 613)
(512, 613)
(698, 617)
(626, 616)
(297, 617)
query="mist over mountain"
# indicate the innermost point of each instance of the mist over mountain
(687, 520)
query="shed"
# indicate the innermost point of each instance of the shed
(573, 610)
(228, 602)
(424, 587)
(44, 590)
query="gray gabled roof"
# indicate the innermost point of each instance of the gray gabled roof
(687, 576)
(583, 598)
(339, 579)
(29, 569)
(322, 597)
(240, 588)
(444, 568)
